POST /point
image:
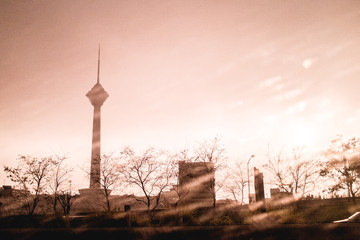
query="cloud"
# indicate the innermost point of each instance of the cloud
(347, 71)
(270, 81)
(225, 68)
(287, 95)
(354, 118)
(279, 87)
(240, 102)
(299, 107)
(237, 104)
(270, 118)
(324, 103)
(309, 62)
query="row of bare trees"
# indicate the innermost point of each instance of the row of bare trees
(36, 177)
(296, 175)
(150, 173)
(335, 171)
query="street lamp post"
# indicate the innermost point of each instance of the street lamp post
(248, 175)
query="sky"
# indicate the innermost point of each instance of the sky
(256, 73)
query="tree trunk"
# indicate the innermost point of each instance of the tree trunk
(55, 202)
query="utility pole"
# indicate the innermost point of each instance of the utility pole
(248, 175)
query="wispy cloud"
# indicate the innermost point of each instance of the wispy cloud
(287, 95)
(309, 62)
(354, 118)
(270, 118)
(347, 71)
(225, 68)
(237, 104)
(280, 86)
(298, 107)
(270, 81)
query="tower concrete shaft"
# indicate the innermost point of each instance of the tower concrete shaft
(96, 149)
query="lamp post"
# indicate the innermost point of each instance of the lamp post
(248, 175)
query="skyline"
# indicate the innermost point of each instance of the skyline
(177, 74)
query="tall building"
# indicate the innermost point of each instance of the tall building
(92, 198)
(97, 96)
(259, 185)
(197, 183)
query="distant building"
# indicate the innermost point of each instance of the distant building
(12, 201)
(226, 202)
(197, 183)
(275, 193)
(8, 191)
(5, 191)
(259, 185)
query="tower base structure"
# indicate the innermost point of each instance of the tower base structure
(90, 201)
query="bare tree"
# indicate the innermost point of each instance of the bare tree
(343, 166)
(32, 174)
(65, 198)
(214, 152)
(238, 182)
(110, 175)
(345, 175)
(59, 176)
(150, 172)
(296, 175)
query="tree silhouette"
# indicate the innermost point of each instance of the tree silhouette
(237, 183)
(150, 172)
(214, 152)
(110, 175)
(343, 166)
(32, 176)
(295, 175)
(59, 176)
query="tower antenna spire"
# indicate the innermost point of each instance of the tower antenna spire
(98, 72)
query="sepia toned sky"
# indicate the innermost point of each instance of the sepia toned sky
(285, 73)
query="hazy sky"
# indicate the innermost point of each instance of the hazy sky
(177, 72)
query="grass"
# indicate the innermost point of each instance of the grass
(315, 213)
(298, 212)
